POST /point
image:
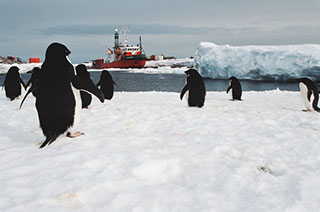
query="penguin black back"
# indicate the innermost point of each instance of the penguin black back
(235, 87)
(106, 84)
(13, 84)
(195, 86)
(82, 72)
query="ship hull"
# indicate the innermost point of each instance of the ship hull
(129, 62)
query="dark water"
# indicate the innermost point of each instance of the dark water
(128, 81)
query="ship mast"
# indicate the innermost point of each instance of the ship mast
(116, 39)
(140, 44)
(125, 36)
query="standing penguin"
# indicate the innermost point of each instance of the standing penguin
(82, 72)
(58, 101)
(106, 84)
(309, 94)
(235, 88)
(196, 88)
(13, 84)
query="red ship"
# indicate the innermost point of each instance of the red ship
(122, 56)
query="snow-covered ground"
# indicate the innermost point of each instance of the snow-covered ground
(148, 151)
(258, 62)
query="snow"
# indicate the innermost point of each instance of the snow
(149, 151)
(258, 62)
(24, 67)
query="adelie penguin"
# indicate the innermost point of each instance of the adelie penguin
(56, 89)
(235, 88)
(13, 84)
(196, 88)
(106, 84)
(82, 72)
(309, 94)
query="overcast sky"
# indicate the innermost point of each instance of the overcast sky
(170, 27)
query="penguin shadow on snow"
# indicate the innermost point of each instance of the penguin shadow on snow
(13, 84)
(56, 88)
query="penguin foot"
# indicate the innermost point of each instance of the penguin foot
(73, 135)
(306, 110)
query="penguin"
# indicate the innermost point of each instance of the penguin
(56, 89)
(13, 84)
(106, 84)
(82, 72)
(34, 79)
(235, 88)
(196, 88)
(309, 94)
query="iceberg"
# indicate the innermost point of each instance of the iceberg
(270, 63)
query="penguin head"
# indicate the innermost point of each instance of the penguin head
(35, 70)
(303, 80)
(105, 75)
(191, 72)
(82, 72)
(57, 51)
(13, 71)
(232, 78)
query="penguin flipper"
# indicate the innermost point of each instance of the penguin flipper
(22, 82)
(99, 83)
(88, 86)
(28, 83)
(25, 96)
(115, 84)
(229, 88)
(184, 90)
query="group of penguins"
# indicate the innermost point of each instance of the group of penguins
(62, 91)
(197, 91)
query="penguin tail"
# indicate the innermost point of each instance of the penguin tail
(317, 109)
(49, 140)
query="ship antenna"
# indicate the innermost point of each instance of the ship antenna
(140, 43)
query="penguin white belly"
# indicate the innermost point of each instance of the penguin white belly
(77, 110)
(78, 104)
(22, 89)
(187, 96)
(304, 95)
(230, 93)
